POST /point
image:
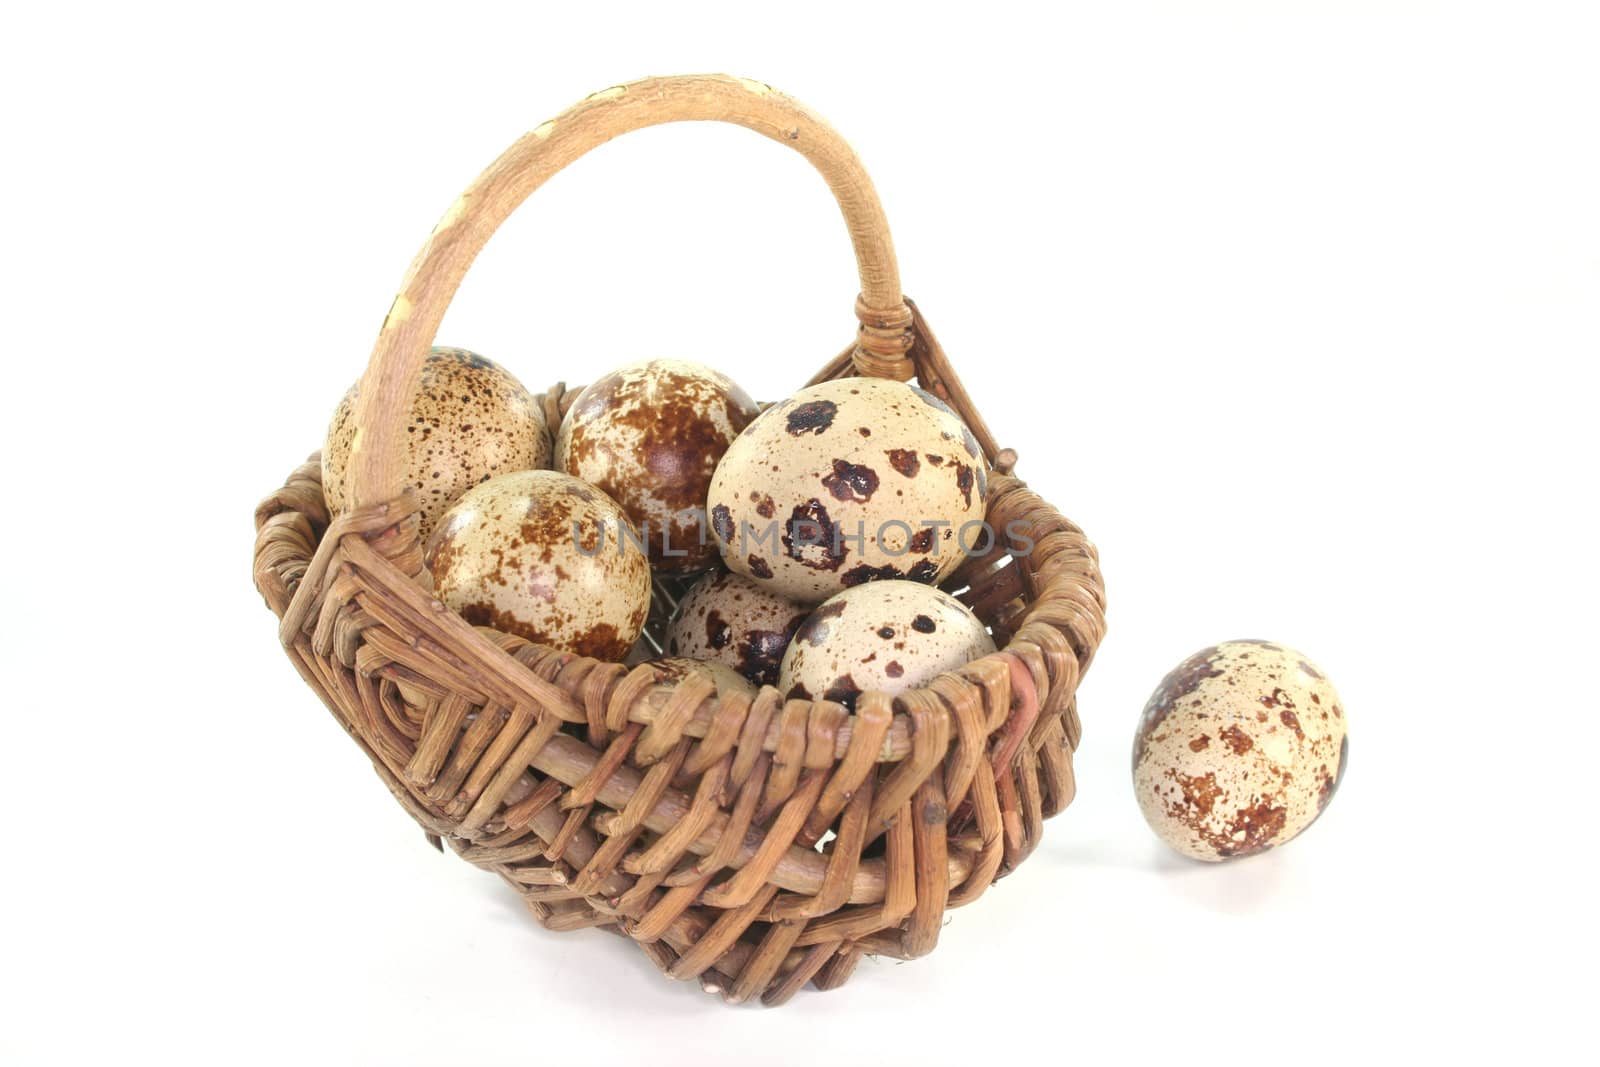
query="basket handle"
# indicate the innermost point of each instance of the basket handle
(883, 342)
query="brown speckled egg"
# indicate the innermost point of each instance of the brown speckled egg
(888, 635)
(1240, 749)
(676, 668)
(730, 619)
(470, 420)
(847, 482)
(537, 553)
(650, 434)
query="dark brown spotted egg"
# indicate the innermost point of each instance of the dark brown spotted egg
(469, 420)
(538, 554)
(650, 434)
(846, 482)
(1240, 749)
(889, 635)
(730, 619)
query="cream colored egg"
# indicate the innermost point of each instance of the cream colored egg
(469, 421)
(650, 434)
(538, 554)
(847, 482)
(1240, 749)
(887, 635)
(676, 668)
(730, 619)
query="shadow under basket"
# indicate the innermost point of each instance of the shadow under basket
(753, 844)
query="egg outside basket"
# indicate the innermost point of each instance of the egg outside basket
(754, 844)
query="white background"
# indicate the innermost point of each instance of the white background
(1294, 307)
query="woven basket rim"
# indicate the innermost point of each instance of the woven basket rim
(897, 743)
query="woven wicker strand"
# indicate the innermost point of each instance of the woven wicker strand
(755, 844)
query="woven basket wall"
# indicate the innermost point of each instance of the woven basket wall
(753, 844)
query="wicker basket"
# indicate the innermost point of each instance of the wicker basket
(755, 844)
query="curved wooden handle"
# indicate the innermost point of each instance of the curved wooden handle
(377, 462)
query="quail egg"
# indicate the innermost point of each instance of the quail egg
(545, 556)
(1240, 748)
(650, 434)
(887, 635)
(469, 420)
(846, 482)
(730, 619)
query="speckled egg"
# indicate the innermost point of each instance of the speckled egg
(1240, 749)
(888, 635)
(730, 619)
(537, 553)
(470, 420)
(676, 668)
(847, 482)
(650, 434)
